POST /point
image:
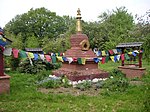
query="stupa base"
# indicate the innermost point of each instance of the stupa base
(76, 75)
(4, 84)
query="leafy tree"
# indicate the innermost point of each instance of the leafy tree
(62, 42)
(56, 45)
(39, 22)
(97, 35)
(115, 26)
(32, 42)
(143, 33)
(16, 40)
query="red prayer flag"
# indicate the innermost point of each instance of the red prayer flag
(103, 60)
(111, 52)
(15, 52)
(48, 58)
(75, 59)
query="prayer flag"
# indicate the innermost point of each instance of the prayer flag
(7, 51)
(15, 52)
(103, 60)
(103, 53)
(60, 58)
(70, 60)
(48, 58)
(42, 56)
(111, 52)
(36, 57)
(112, 58)
(23, 54)
(96, 60)
(53, 59)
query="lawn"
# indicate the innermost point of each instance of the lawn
(25, 97)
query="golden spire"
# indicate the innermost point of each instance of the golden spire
(78, 25)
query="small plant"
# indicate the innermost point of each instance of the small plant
(50, 83)
(12, 63)
(65, 81)
(135, 79)
(116, 73)
(146, 91)
(41, 75)
(85, 85)
(118, 83)
(50, 66)
(99, 84)
(56, 65)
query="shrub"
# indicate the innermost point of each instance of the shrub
(26, 67)
(50, 66)
(65, 81)
(41, 75)
(146, 90)
(116, 73)
(85, 85)
(99, 84)
(49, 82)
(11, 62)
(118, 83)
(56, 65)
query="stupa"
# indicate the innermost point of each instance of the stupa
(80, 48)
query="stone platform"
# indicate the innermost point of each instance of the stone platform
(4, 84)
(76, 72)
(132, 71)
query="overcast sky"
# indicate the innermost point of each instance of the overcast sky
(90, 9)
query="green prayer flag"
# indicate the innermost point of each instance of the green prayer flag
(53, 59)
(22, 54)
(79, 61)
(106, 59)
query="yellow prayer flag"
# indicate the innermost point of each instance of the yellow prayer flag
(30, 55)
(130, 53)
(112, 58)
(83, 60)
(60, 58)
(56, 54)
(103, 53)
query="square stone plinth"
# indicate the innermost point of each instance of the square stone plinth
(4, 84)
(132, 72)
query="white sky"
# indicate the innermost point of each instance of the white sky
(90, 9)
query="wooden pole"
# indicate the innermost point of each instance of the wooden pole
(140, 60)
(122, 53)
(1, 64)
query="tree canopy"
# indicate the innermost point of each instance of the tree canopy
(40, 23)
(52, 32)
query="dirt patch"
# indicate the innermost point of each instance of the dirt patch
(136, 82)
(72, 91)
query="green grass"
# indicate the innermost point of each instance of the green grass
(109, 66)
(24, 97)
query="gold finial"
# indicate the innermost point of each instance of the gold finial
(78, 26)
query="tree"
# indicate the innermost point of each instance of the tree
(115, 27)
(97, 35)
(39, 23)
(32, 42)
(143, 31)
